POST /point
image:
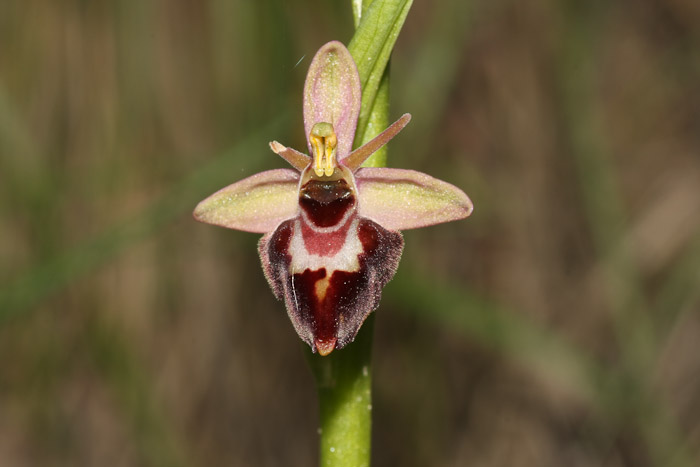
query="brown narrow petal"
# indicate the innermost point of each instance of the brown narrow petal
(297, 159)
(360, 155)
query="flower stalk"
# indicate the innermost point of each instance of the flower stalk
(344, 384)
(344, 379)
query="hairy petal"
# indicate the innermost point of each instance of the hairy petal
(296, 159)
(332, 94)
(356, 158)
(258, 203)
(400, 199)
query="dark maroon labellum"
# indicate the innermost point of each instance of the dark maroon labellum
(331, 278)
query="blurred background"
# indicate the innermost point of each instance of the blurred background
(559, 325)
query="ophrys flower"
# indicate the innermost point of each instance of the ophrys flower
(331, 228)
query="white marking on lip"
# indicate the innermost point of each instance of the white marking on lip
(346, 259)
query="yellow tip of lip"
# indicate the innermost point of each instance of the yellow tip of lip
(325, 347)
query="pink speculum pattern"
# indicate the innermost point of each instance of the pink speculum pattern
(331, 227)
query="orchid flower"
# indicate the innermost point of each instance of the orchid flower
(331, 227)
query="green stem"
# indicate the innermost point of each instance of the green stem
(344, 382)
(344, 378)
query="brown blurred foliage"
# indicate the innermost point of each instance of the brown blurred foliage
(557, 326)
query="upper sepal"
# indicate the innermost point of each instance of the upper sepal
(400, 199)
(332, 94)
(257, 204)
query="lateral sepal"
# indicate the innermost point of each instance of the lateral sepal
(255, 204)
